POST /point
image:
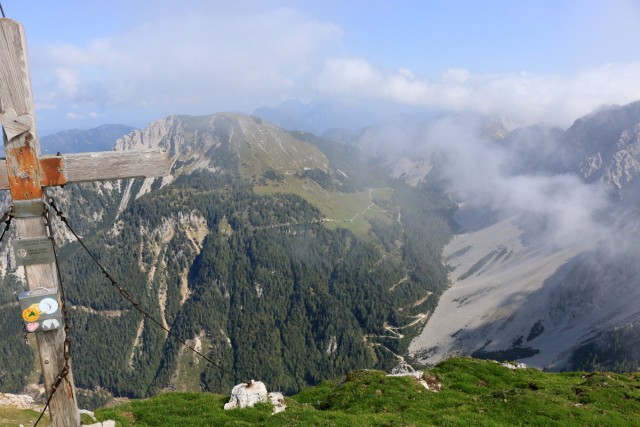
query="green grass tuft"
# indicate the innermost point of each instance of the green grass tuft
(474, 393)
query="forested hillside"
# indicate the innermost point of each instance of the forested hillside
(288, 268)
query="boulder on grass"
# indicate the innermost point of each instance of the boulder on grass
(277, 400)
(403, 369)
(247, 395)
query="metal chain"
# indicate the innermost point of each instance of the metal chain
(126, 295)
(6, 218)
(67, 328)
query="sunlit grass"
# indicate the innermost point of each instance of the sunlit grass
(339, 210)
(12, 417)
(474, 393)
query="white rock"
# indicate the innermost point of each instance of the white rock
(277, 400)
(247, 395)
(403, 369)
(21, 401)
(415, 374)
(86, 412)
(108, 423)
(514, 366)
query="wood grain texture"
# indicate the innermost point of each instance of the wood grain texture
(15, 90)
(4, 179)
(13, 124)
(22, 169)
(84, 167)
(63, 407)
(110, 165)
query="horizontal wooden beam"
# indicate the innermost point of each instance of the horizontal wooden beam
(101, 166)
(110, 165)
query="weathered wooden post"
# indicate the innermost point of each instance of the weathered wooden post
(26, 175)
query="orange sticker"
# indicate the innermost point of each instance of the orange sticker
(31, 314)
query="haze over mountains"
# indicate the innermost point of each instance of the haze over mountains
(546, 270)
(76, 141)
(266, 245)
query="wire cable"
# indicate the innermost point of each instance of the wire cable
(6, 218)
(126, 295)
(2, 10)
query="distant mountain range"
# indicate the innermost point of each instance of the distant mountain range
(318, 116)
(101, 138)
(336, 120)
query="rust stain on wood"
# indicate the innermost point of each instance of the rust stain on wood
(23, 171)
(51, 172)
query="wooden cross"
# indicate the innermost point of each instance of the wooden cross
(25, 173)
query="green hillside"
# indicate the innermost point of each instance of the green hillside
(474, 393)
(282, 256)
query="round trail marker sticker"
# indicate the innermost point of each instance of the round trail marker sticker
(48, 306)
(50, 324)
(31, 314)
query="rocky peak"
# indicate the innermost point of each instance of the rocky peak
(498, 128)
(601, 142)
(225, 141)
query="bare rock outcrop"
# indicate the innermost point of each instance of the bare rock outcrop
(20, 401)
(246, 395)
(403, 369)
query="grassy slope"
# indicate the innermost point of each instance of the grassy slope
(478, 393)
(264, 147)
(346, 210)
(12, 417)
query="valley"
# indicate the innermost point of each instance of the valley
(293, 258)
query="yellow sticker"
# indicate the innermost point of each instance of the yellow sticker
(31, 314)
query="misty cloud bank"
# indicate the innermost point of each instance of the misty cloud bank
(553, 206)
(525, 97)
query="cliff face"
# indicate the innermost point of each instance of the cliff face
(605, 147)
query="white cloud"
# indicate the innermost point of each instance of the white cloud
(235, 57)
(74, 116)
(78, 116)
(526, 97)
(200, 61)
(478, 172)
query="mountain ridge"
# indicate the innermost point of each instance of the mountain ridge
(101, 138)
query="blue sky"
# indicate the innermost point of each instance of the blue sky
(131, 62)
